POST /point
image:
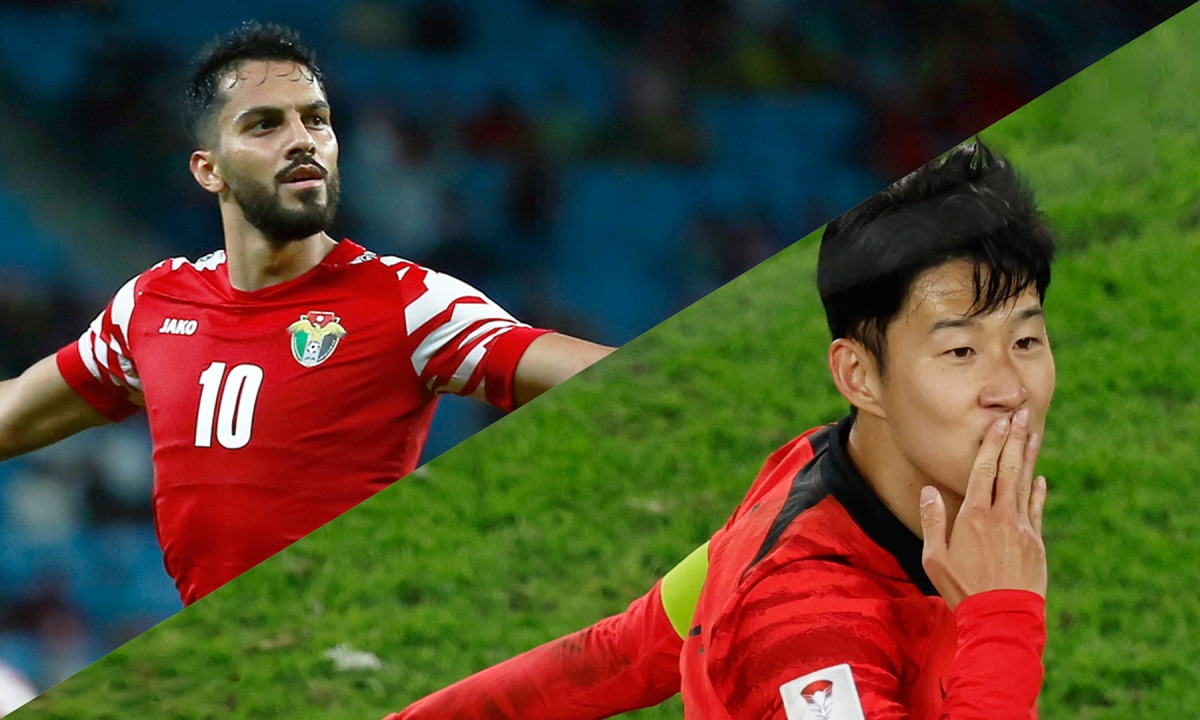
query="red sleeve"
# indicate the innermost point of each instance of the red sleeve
(99, 366)
(458, 337)
(500, 365)
(109, 400)
(998, 666)
(779, 636)
(621, 663)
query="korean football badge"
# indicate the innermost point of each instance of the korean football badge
(827, 694)
(315, 336)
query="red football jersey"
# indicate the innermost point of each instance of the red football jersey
(272, 412)
(816, 607)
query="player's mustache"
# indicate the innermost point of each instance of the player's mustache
(299, 162)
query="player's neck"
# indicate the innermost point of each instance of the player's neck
(254, 262)
(896, 482)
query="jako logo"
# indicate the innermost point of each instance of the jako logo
(171, 326)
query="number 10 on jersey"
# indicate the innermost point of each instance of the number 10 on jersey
(230, 400)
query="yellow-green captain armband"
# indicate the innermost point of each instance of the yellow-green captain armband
(681, 588)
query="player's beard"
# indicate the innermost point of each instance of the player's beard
(262, 208)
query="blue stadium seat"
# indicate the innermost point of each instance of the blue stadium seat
(118, 576)
(851, 186)
(619, 235)
(784, 147)
(7, 469)
(48, 47)
(22, 651)
(794, 128)
(421, 85)
(727, 191)
(25, 558)
(28, 248)
(500, 26)
(514, 49)
(571, 56)
(549, 54)
(456, 418)
(187, 26)
(482, 186)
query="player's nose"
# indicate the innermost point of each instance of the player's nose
(300, 140)
(1004, 388)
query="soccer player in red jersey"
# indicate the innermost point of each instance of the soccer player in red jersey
(888, 566)
(289, 376)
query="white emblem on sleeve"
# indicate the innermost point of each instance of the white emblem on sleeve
(827, 694)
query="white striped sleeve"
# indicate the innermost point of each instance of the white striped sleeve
(104, 346)
(452, 327)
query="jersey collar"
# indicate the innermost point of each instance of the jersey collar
(868, 511)
(342, 254)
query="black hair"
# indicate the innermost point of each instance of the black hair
(968, 205)
(249, 41)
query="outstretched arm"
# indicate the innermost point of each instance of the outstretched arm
(39, 408)
(463, 343)
(622, 663)
(551, 359)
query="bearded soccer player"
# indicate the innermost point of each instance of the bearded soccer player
(289, 376)
(888, 566)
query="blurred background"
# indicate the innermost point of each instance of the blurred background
(592, 165)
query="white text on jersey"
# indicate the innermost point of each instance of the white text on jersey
(171, 326)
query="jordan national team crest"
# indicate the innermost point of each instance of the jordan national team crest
(315, 336)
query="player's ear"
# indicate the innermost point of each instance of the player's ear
(856, 375)
(203, 165)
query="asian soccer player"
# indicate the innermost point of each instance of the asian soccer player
(288, 376)
(888, 566)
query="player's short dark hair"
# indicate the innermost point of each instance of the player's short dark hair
(249, 41)
(968, 205)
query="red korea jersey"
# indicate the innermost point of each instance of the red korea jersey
(816, 607)
(272, 412)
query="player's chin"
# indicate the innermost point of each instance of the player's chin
(954, 482)
(306, 192)
(312, 200)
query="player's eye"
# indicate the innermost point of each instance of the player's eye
(961, 353)
(1027, 343)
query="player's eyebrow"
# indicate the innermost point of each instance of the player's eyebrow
(1029, 313)
(275, 110)
(264, 110)
(966, 322)
(955, 322)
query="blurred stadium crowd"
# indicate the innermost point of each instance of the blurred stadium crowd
(594, 165)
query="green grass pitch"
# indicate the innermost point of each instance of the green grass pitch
(574, 506)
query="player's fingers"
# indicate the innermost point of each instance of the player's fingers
(1025, 485)
(933, 526)
(1037, 503)
(1012, 460)
(983, 471)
